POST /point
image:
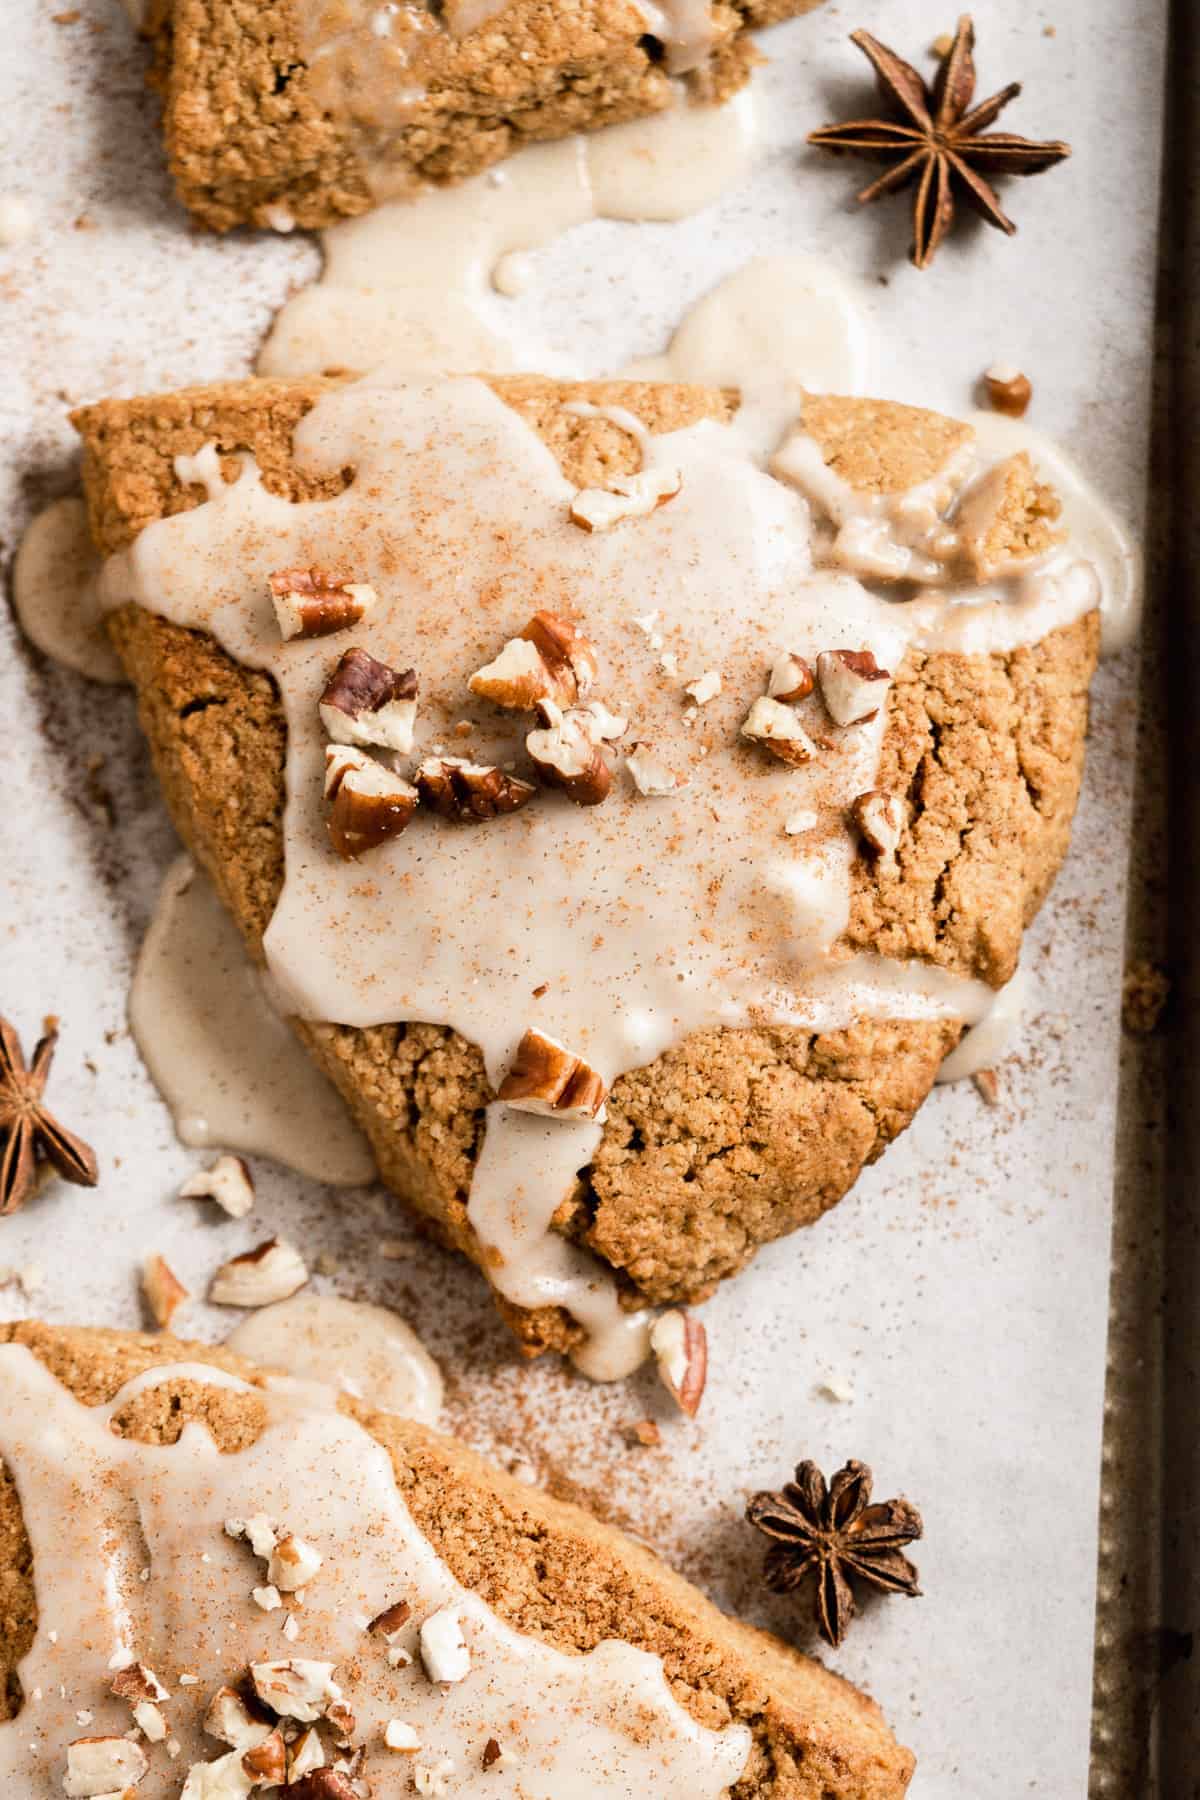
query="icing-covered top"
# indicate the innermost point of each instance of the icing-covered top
(372, 63)
(135, 1563)
(716, 897)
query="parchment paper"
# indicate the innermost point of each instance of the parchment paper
(960, 1292)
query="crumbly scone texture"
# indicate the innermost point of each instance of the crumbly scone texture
(733, 1137)
(545, 1566)
(246, 135)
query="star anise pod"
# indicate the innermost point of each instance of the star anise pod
(29, 1133)
(930, 137)
(832, 1532)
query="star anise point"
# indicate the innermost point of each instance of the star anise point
(832, 1528)
(932, 137)
(30, 1134)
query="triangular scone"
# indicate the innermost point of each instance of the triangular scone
(550, 1572)
(733, 1136)
(255, 137)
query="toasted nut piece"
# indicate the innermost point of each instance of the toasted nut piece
(305, 1755)
(468, 791)
(651, 775)
(444, 1652)
(295, 1688)
(224, 1779)
(293, 1564)
(565, 650)
(267, 1598)
(551, 660)
(853, 686)
(644, 1432)
(323, 1784)
(230, 1719)
(567, 755)
(367, 702)
(266, 1762)
(229, 1182)
(987, 1086)
(387, 1623)
(397, 1735)
(880, 818)
(368, 804)
(150, 1721)
(547, 1078)
(517, 678)
(680, 1346)
(258, 1531)
(791, 678)
(495, 1756)
(136, 1682)
(272, 1271)
(703, 688)
(625, 497)
(164, 1292)
(314, 602)
(100, 1765)
(341, 1721)
(1008, 391)
(797, 823)
(776, 727)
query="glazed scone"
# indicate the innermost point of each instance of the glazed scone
(729, 1134)
(302, 112)
(499, 1598)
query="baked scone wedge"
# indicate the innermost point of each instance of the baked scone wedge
(639, 933)
(303, 112)
(130, 1552)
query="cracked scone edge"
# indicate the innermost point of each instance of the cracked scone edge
(245, 137)
(735, 1136)
(547, 1567)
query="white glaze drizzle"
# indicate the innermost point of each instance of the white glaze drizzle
(55, 591)
(349, 1345)
(100, 1510)
(413, 283)
(229, 1066)
(367, 63)
(646, 920)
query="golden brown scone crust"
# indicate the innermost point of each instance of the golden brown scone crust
(245, 133)
(732, 1138)
(548, 1569)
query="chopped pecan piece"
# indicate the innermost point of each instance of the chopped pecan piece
(316, 602)
(368, 804)
(551, 660)
(880, 817)
(566, 751)
(102, 1766)
(651, 774)
(272, 1271)
(791, 678)
(164, 1292)
(680, 1345)
(266, 1762)
(1008, 390)
(457, 789)
(547, 1078)
(777, 728)
(853, 686)
(366, 702)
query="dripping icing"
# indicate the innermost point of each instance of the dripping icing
(624, 940)
(100, 1509)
